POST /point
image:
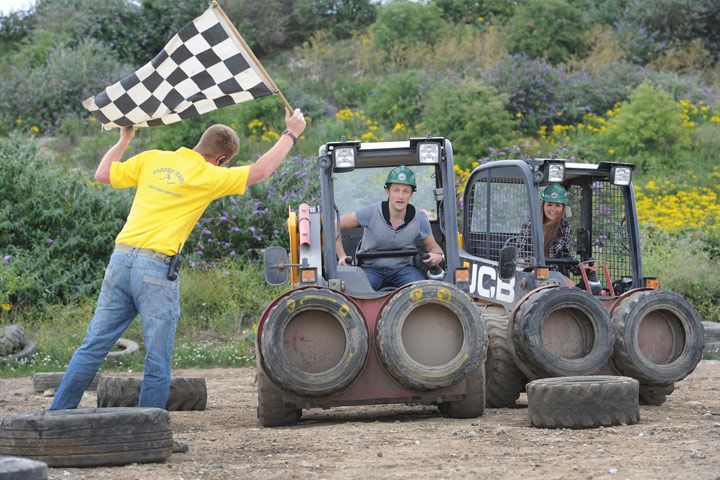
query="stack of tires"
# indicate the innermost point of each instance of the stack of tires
(428, 336)
(653, 336)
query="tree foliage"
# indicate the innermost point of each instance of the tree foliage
(403, 24)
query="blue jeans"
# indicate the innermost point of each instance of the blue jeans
(132, 285)
(392, 276)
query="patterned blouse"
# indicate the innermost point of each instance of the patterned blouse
(560, 246)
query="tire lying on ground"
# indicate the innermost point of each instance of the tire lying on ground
(429, 335)
(186, 393)
(127, 347)
(89, 437)
(583, 402)
(658, 337)
(503, 379)
(559, 332)
(313, 342)
(711, 338)
(14, 468)
(45, 380)
(27, 351)
(12, 339)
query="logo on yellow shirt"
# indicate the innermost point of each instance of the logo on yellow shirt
(169, 176)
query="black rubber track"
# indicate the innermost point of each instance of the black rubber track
(655, 395)
(45, 380)
(12, 339)
(393, 355)
(186, 393)
(89, 437)
(14, 468)
(504, 382)
(271, 410)
(474, 404)
(627, 319)
(313, 384)
(583, 402)
(527, 338)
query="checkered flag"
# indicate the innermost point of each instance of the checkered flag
(205, 66)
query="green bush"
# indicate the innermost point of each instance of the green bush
(399, 99)
(57, 227)
(471, 114)
(403, 24)
(649, 130)
(553, 30)
(683, 266)
(476, 11)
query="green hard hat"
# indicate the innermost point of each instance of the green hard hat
(401, 174)
(555, 193)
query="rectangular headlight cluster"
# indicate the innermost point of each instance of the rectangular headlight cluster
(428, 152)
(556, 172)
(621, 175)
(344, 157)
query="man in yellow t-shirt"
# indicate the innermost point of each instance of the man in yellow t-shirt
(173, 191)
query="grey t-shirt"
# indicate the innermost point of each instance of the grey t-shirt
(378, 234)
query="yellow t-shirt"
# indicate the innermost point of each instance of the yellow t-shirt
(173, 191)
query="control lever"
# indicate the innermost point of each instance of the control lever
(435, 272)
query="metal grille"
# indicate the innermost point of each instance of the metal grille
(609, 231)
(496, 213)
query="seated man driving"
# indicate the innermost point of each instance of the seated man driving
(393, 224)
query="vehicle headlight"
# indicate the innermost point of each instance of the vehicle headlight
(556, 172)
(428, 152)
(621, 175)
(344, 157)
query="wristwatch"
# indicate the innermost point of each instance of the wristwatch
(291, 135)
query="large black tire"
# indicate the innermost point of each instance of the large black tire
(28, 350)
(504, 381)
(271, 410)
(300, 342)
(89, 437)
(14, 468)
(43, 381)
(12, 339)
(583, 402)
(559, 310)
(473, 405)
(655, 395)
(434, 313)
(186, 393)
(674, 335)
(711, 338)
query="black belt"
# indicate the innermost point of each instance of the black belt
(145, 252)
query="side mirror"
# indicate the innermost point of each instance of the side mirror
(507, 262)
(275, 263)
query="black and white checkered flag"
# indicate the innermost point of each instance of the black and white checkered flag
(204, 67)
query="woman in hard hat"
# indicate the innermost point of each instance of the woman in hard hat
(556, 228)
(393, 224)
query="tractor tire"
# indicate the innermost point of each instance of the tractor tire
(14, 468)
(583, 402)
(658, 337)
(186, 393)
(271, 410)
(430, 335)
(655, 395)
(504, 382)
(128, 347)
(46, 380)
(314, 342)
(474, 403)
(711, 338)
(12, 339)
(89, 437)
(559, 332)
(28, 350)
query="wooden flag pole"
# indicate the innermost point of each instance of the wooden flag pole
(269, 80)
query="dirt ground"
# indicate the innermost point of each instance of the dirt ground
(680, 439)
